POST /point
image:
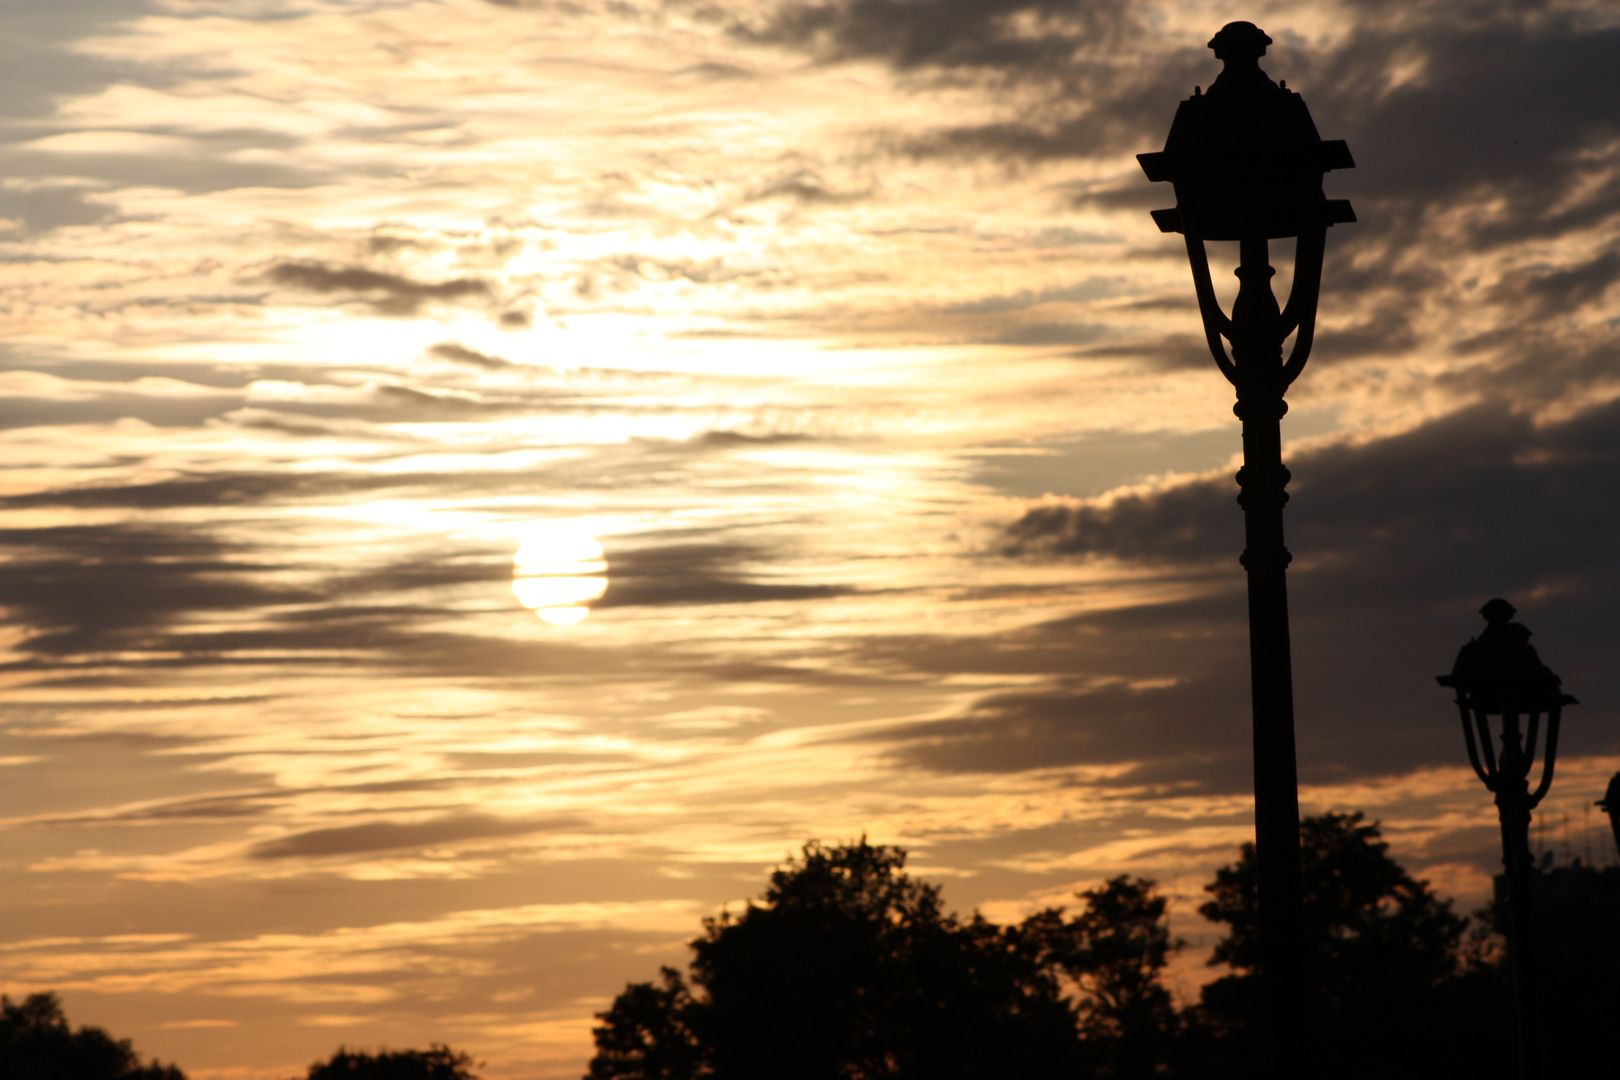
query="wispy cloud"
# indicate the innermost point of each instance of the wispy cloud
(387, 294)
(395, 836)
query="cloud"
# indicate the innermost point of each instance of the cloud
(629, 269)
(803, 186)
(460, 354)
(39, 69)
(1558, 292)
(254, 804)
(31, 398)
(515, 320)
(1516, 103)
(396, 836)
(140, 591)
(387, 294)
(1152, 738)
(1471, 137)
(86, 588)
(188, 164)
(725, 440)
(1397, 542)
(1095, 287)
(1479, 494)
(1100, 462)
(227, 489)
(410, 399)
(43, 207)
(966, 34)
(1176, 525)
(1053, 333)
(1167, 352)
(699, 574)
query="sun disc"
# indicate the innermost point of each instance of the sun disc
(556, 572)
(559, 549)
(544, 592)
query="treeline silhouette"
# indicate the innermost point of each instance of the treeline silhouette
(850, 969)
(37, 1043)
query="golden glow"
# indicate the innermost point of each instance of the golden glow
(563, 616)
(556, 570)
(547, 592)
(558, 549)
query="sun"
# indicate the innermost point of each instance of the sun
(559, 569)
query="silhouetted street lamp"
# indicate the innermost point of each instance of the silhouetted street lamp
(1499, 674)
(1247, 165)
(1610, 804)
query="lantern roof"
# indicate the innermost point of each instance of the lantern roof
(1501, 666)
(1245, 158)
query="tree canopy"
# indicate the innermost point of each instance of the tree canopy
(1364, 915)
(1381, 957)
(1114, 953)
(849, 968)
(438, 1062)
(36, 1043)
(846, 968)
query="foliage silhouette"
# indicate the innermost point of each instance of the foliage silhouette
(849, 968)
(1577, 942)
(1114, 953)
(36, 1043)
(647, 1034)
(1381, 961)
(846, 968)
(438, 1062)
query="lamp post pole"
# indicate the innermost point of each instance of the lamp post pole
(1257, 357)
(1499, 674)
(1247, 165)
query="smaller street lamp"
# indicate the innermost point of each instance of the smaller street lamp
(1610, 804)
(1499, 674)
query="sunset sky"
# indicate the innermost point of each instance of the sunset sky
(485, 481)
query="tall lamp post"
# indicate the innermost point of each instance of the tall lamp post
(1247, 165)
(1499, 674)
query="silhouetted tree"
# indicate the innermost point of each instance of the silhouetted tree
(1576, 935)
(36, 1043)
(438, 1062)
(647, 1034)
(1115, 951)
(1381, 952)
(847, 969)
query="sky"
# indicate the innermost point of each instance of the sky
(483, 482)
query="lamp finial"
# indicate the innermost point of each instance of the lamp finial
(1240, 41)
